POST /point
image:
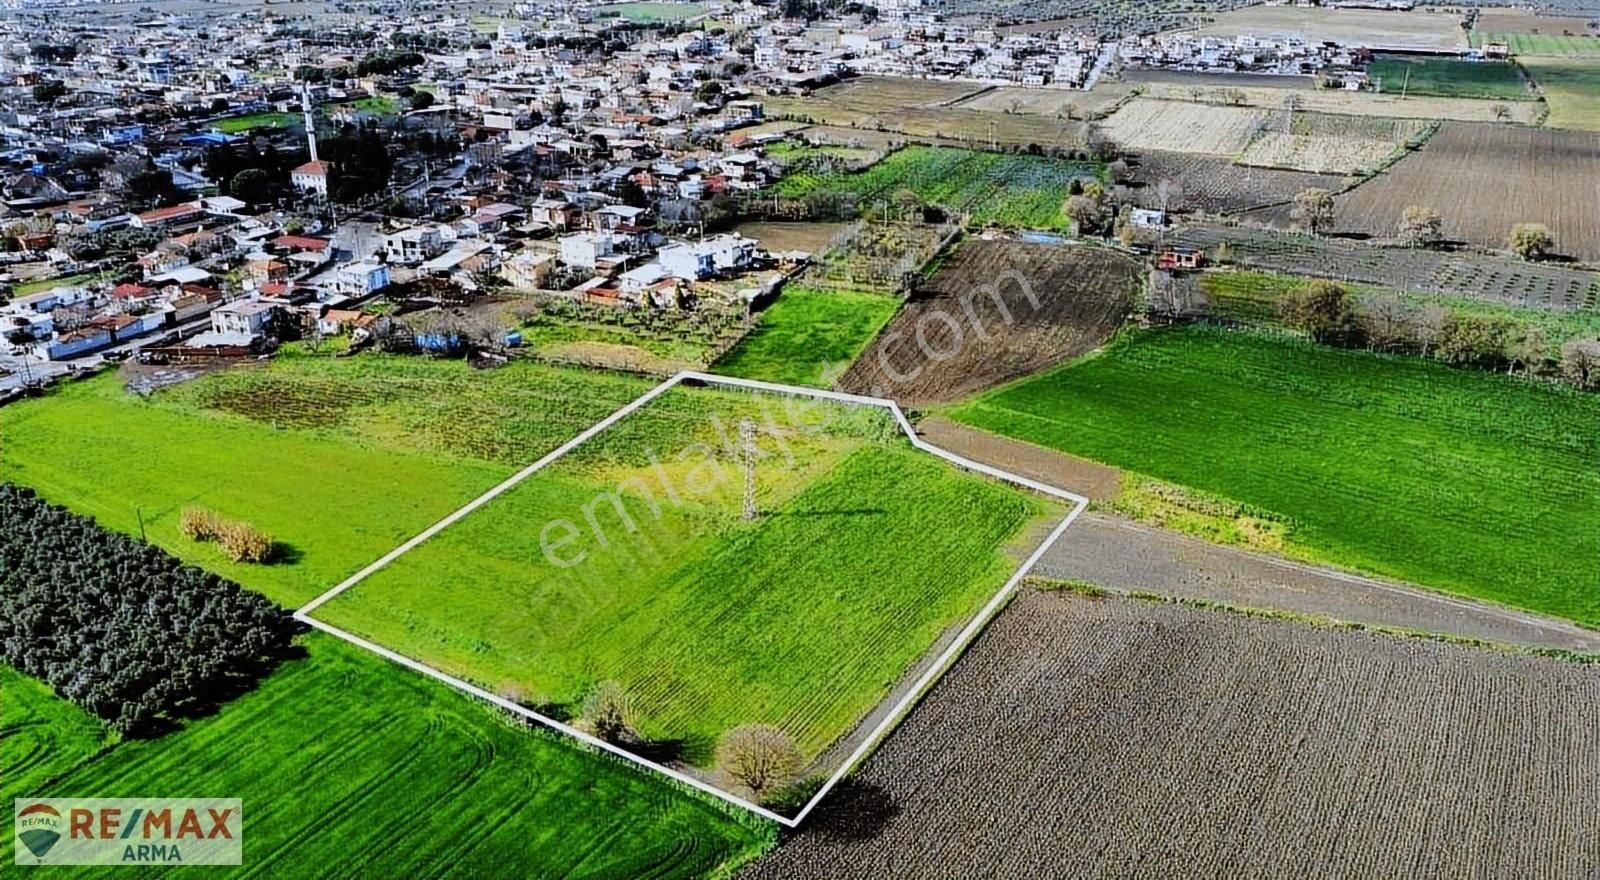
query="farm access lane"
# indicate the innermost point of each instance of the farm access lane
(1123, 555)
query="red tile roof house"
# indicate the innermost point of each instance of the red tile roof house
(311, 177)
(167, 216)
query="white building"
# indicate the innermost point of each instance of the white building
(585, 249)
(311, 177)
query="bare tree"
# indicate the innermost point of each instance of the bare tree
(1169, 194)
(1388, 322)
(607, 713)
(1313, 209)
(759, 757)
(1580, 363)
(1429, 326)
(1084, 211)
(1420, 227)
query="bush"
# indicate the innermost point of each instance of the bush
(239, 541)
(607, 714)
(200, 524)
(243, 542)
(759, 757)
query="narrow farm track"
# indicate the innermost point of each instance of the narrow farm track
(1112, 552)
(1115, 553)
(1092, 737)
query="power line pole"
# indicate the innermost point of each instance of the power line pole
(747, 442)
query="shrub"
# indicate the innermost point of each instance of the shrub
(759, 757)
(1531, 241)
(607, 713)
(200, 524)
(242, 542)
(239, 541)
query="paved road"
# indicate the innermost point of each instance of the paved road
(1122, 555)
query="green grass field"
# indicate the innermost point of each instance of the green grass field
(1480, 484)
(1450, 78)
(39, 285)
(649, 12)
(1002, 190)
(341, 459)
(239, 124)
(1555, 45)
(803, 618)
(1571, 86)
(346, 763)
(808, 337)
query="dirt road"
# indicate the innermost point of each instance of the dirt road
(1122, 555)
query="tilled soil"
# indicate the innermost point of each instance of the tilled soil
(998, 310)
(1096, 737)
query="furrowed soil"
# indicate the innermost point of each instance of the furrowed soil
(1101, 737)
(953, 338)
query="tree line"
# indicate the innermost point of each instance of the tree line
(122, 628)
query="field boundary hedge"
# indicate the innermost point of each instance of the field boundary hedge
(890, 720)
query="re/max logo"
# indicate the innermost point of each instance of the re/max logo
(107, 824)
(120, 831)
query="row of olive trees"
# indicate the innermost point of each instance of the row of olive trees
(1327, 313)
(120, 627)
(760, 758)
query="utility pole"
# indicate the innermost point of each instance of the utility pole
(747, 443)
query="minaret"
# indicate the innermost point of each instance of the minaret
(311, 125)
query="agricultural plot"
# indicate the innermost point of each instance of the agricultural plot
(628, 559)
(1450, 78)
(1316, 155)
(1075, 103)
(1249, 91)
(1180, 127)
(1374, 29)
(996, 189)
(812, 238)
(1478, 484)
(1217, 186)
(1118, 737)
(333, 753)
(1257, 298)
(1491, 279)
(1531, 33)
(808, 336)
(874, 94)
(993, 312)
(1325, 144)
(1571, 87)
(1483, 179)
(929, 110)
(339, 459)
(652, 12)
(877, 256)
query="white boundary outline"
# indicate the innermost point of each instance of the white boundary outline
(889, 722)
